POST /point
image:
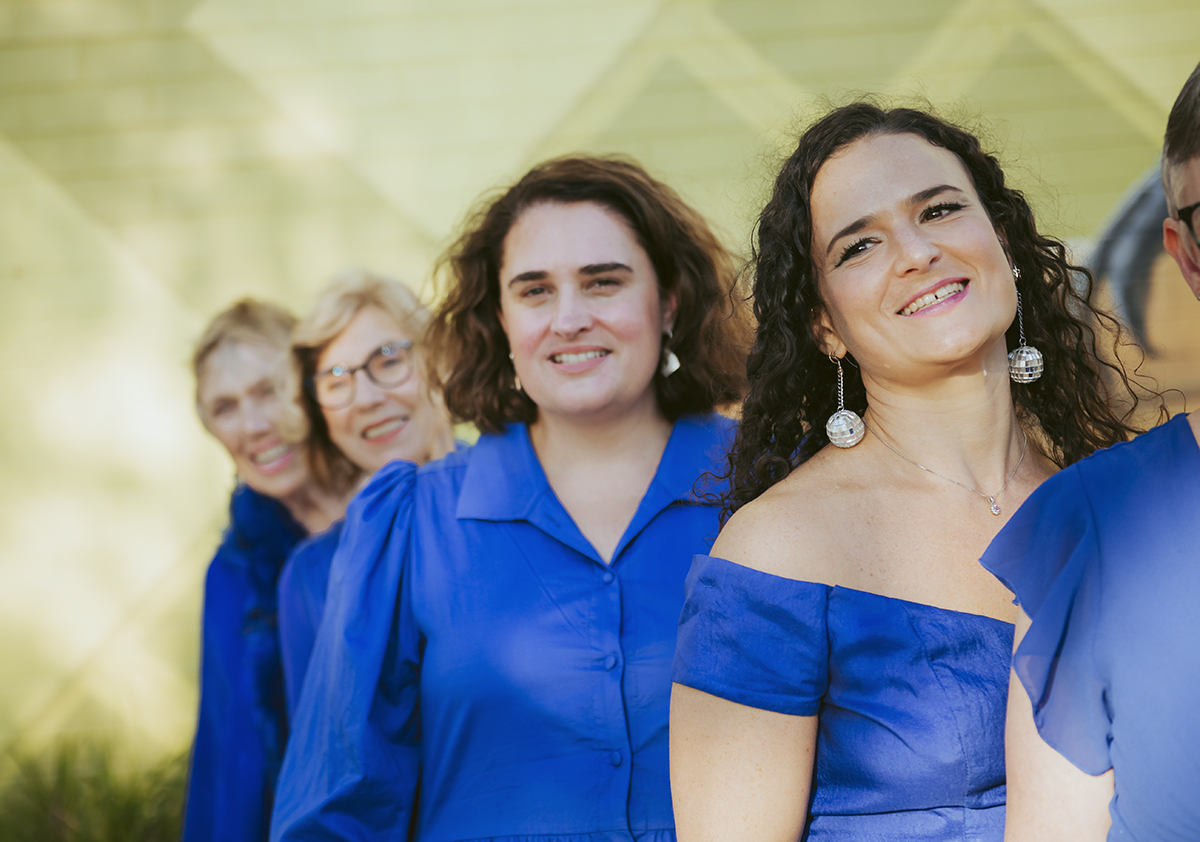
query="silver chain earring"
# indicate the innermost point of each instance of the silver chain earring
(844, 428)
(1025, 363)
(670, 362)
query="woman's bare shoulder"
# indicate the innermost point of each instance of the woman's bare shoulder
(788, 530)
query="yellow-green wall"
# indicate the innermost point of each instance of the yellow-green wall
(159, 158)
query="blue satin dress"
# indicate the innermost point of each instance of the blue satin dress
(480, 672)
(242, 726)
(911, 698)
(1104, 558)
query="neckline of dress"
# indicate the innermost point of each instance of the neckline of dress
(859, 592)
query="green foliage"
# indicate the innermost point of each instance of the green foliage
(77, 793)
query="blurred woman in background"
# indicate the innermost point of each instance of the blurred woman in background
(367, 402)
(241, 367)
(494, 659)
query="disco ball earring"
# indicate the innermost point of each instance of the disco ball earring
(1025, 363)
(844, 428)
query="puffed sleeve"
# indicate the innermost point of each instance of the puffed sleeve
(350, 772)
(1048, 556)
(753, 638)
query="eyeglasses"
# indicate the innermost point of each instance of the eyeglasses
(1185, 216)
(387, 367)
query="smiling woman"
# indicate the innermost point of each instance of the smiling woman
(842, 664)
(241, 364)
(357, 357)
(494, 660)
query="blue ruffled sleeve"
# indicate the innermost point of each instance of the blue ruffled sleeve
(351, 767)
(753, 638)
(1048, 556)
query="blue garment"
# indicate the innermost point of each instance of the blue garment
(518, 683)
(302, 587)
(1105, 560)
(242, 727)
(910, 697)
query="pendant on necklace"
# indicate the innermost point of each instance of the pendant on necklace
(995, 505)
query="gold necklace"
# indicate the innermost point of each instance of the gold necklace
(991, 498)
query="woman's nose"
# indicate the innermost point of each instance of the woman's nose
(915, 250)
(572, 314)
(366, 391)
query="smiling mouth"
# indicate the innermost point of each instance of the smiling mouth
(383, 429)
(933, 297)
(568, 359)
(271, 454)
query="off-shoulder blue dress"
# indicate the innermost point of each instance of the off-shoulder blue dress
(1104, 558)
(242, 725)
(480, 672)
(911, 698)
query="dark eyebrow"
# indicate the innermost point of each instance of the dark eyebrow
(602, 268)
(535, 275)
(915, 199)
(590, 269)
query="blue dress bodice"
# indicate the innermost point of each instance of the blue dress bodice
(910, 698)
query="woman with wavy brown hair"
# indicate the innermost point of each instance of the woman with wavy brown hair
(925, 358)
(495, 657)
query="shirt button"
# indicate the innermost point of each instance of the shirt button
(608, 577)
(610, 662)
(616, 759)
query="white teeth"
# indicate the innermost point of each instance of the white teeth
(384, 428)
(270, 454)
(578, 358)
(933, 297)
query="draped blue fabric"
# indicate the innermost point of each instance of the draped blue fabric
(480, 672)
(1105, 560)
(911, 698)
(242, 726)
(302, 587)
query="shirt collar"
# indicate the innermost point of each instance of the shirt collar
(505, 481)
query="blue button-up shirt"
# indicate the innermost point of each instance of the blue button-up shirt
(476, 650)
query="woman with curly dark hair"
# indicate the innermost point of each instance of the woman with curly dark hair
(517, 684)
(924, 359)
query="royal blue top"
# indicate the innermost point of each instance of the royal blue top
(242, 727)
(1105, 560)
(480, 672)
(302, 588)
(910, 698)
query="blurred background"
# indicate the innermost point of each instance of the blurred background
(160, 158)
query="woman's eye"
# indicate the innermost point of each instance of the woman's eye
(533, 292)
(605, 283)
(939, 211)
(222, 408)
(853, 250)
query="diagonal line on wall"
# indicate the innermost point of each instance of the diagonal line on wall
(1104, 78)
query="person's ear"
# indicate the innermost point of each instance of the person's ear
(670, 309)
(1177, 240)
(826, 336)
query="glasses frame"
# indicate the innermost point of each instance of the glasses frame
(1185, 216)
(404, 353)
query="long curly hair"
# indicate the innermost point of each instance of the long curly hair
(469, 351)
(1069, 412)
